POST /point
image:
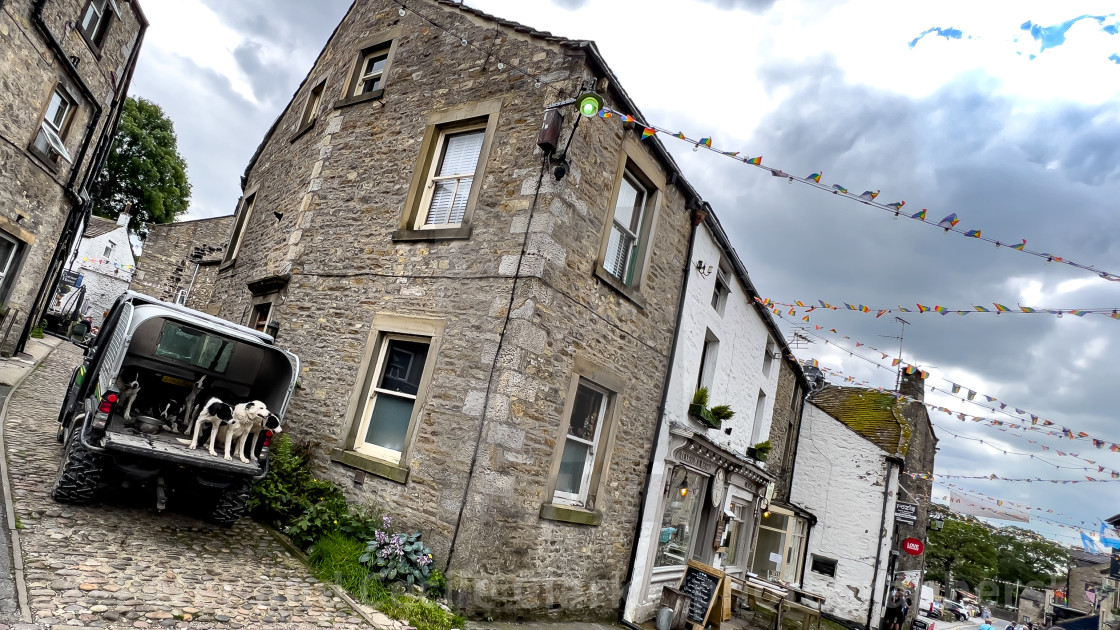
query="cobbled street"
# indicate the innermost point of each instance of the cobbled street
(110, 566)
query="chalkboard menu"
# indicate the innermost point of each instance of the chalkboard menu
(701, 582)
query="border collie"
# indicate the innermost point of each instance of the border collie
(128, 388)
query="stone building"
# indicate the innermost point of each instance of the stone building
(851, 451)
(708, 485)
(105, 262)
(65, 68)
(180, 260)
(485, 329)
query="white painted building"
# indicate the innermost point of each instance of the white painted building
(851, 449)
(106, 263)
(705, 494)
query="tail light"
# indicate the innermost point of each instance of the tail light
(267, 439)
(107, 402)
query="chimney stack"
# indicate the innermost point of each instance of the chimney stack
(913, 386)
(122, 219)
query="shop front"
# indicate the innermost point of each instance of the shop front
(707, 510)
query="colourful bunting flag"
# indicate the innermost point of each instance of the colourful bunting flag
(940, 309)
(973, 233)
(956, 388)
(869, 195)
(605, 113)
(922, 309)
(680, 136)
(755, 160)
(1020, 246)
(949, 222)
(895, 362)
(730, 153)
(981, 309)
(1001, 308)
(971, 394)
(924, 374)
(880, 314)
(840, 188)
(647, 132)
(896, 206)
(706, 142)
(1027, 309)
(816, 177)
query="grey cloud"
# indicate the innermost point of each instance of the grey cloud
(754, 6)
(571, 5)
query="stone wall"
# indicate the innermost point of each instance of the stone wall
(487, 432)
(1080, 578)
(841, 477)
(789, 400)
(34, 201)
(173, 252)
(919, 460)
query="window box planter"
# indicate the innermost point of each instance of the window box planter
(703, 415)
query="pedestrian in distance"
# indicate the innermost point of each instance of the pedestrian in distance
(894, 615)
(986, 626)
(986, 614)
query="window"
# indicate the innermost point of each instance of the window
(768, 353)
(371, 70)
(707, 361)
(181, 297)
(261, 313)
(191, 346)
(48, 140)
(585, 426)
(721, 290)
(625, 240)
(446, 182)
(451, 178)
(680, 519)
(759, 412)
(109, 249)
(630, 221)
(239, 227)
(314, 99)
(95, 21)
(391, 404)
(735, 537)
(9, 250)
(778, 548)
(824, 566)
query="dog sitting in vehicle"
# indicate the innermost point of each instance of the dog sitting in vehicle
(245, 417)
(215, 414)
(272, 423)
(188, 410)
(128, 387)
(169, 412)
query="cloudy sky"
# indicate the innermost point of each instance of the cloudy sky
(1005, 115)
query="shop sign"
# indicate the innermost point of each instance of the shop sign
(913, 546)
(695, 461)
(906, 513)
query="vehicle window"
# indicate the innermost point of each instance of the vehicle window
(184, 344)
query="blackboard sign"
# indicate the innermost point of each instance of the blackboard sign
(906, 513)
(701, 582)
(69, 278)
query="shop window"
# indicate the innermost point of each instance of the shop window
(824, 566)
(778, 550)
(680, 519)
(737, 530)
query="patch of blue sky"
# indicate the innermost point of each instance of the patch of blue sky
(947, 33)
(1114, 58)
(1055, 35)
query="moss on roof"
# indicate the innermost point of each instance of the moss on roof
(874, 415)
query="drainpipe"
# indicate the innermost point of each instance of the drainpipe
(891, 462)
(79, 209)
(698, 215)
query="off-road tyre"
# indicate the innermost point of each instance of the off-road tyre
(231, 504)
(79, 472)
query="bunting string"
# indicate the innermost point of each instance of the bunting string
(107, 262)
(1037, 423)
(867, 198)
(996, 309)
(1020, 506)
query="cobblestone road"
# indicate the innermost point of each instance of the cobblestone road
(123, 567)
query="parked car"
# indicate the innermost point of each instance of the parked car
(958, 612)
(932, 610)
(167, 348)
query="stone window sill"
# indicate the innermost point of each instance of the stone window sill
(442, 234)
(302, 130)
(629, 293)
(570, 514)
(354, 459)
(354, 100)
(226, 264)
(51, 164)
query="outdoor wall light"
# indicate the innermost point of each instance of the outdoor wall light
(590, 103)
(684, 487)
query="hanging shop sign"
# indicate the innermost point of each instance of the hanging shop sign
(913, 546)
(906, 513)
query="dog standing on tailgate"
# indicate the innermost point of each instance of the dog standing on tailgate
(215, 413)
(128, 384)
(272, 423)
(245, 417)
(189, 414)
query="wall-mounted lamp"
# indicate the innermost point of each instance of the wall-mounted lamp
(589, 103)
(936, 524)
(704, 271)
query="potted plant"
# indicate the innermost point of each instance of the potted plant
(699, 409)
(759, 451)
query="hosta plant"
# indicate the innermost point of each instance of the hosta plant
(397, 557)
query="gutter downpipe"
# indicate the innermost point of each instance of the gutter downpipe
(79, 210)
(704, 207)
(879, 548)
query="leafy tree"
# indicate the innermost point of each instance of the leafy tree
(964, 550)
(1026, 557)
(144, 168)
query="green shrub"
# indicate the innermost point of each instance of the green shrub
(722, 412)
(700, 397)
(437, 584)
(291, 496)
(398, 557)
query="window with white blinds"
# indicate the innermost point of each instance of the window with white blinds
(451, 177)
(626, 230)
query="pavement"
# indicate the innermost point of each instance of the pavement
(118, 563)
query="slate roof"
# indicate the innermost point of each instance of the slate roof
(1084, 558)
(1033, 595)
(876, 416)
(99, 227)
